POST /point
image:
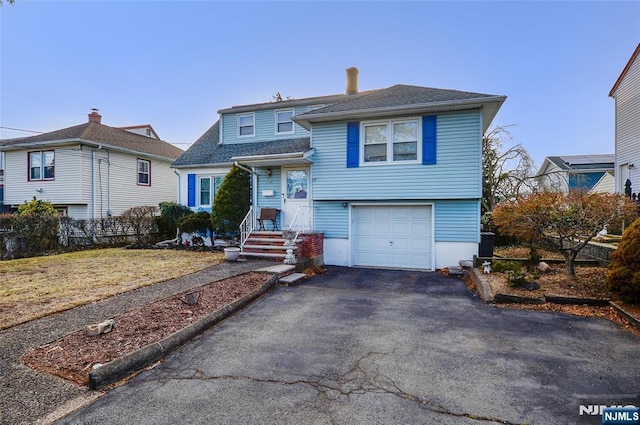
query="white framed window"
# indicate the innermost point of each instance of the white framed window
(284, 121)
(205, 191)
(390, 142)
(246, 125)
(144, 172)
(42, 165)
(207, 188)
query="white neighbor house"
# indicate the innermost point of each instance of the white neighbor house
(626, 95)
(89, 170)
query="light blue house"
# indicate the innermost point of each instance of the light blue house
(389, 177)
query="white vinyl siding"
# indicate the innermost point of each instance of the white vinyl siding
(627, 126)
(66, 185)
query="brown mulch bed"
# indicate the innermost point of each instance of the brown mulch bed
(590, 284)
(73, 356)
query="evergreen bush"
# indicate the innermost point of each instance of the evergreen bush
(231, 204)
(167, 221)
(623, 276)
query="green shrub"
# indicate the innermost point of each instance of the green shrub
(231, 204)
(198, 223)
(37, 227)
(623, 277)
(515, 273)
(167, 221)
(501, 266)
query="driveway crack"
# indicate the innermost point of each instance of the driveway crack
(363, 378)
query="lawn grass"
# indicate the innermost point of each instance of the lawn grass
(35, 287)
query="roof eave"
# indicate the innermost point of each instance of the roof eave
(490, 106)
(75, 140)
(203, 165)
(276, 159)
(624, 71)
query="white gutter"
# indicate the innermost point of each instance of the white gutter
(242, 167)
(277, 156)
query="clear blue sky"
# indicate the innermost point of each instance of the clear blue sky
(174, 64)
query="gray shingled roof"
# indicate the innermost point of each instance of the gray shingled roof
(207, 150)
(399, 95)
(103, 135)
(328, 99)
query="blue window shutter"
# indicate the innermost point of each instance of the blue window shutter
(429, 139)
(191, 190)
(353, 144)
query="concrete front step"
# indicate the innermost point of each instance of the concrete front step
(292, 278)
(265, 234)
(280, 269)
(266, 247)
(263, 254)
(252, 239)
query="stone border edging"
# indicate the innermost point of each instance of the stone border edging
(484, 290)
(118, 369)
(625, 314)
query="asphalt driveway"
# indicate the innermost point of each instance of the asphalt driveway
(362, 346)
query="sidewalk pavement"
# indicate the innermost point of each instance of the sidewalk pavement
(28, 396)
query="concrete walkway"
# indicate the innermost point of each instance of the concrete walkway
(28, 396)
(363, 346)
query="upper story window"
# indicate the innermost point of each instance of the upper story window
(42, 165)
(144, 172)
(246, 125)
(284, 121)
(390, 141)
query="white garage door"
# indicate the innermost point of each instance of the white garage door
(392, 236)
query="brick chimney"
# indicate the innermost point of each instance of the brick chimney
(94, 116)
(352, 80)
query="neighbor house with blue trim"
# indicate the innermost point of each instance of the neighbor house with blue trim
(590, 173)
(388, 178)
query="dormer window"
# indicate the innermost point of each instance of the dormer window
(246, 125)
(284, 121)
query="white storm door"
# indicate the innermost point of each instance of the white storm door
(296, 211)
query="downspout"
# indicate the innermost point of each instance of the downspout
(109, 183)
(93, 190)
(93, 184)
(178, 194)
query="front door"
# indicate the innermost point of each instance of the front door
(296, 211)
